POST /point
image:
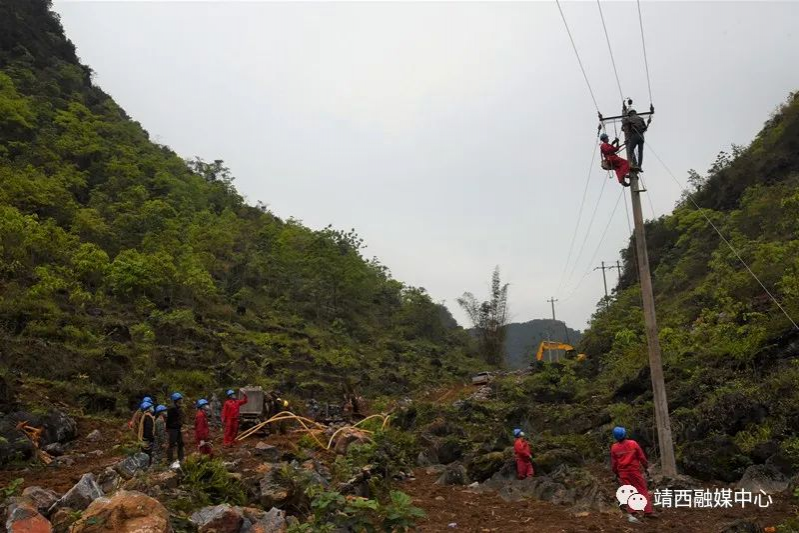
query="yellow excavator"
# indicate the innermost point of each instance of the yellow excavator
(554, 345)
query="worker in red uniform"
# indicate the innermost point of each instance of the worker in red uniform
(230, 417)
(524, 459)
(629, 463)
(620, 165)
(202, 434)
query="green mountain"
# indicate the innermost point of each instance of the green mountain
(522, 339)
(124, 269)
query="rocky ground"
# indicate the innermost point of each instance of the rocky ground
(97, 484)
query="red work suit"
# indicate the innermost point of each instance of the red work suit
(202, 433)
(230, 418)
(524, 464)
(619, 164)
(628, 462)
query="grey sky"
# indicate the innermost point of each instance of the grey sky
(452, 136)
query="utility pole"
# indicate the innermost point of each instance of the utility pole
(655, 364)
(604, 280)
(552, 301)
(618, 269)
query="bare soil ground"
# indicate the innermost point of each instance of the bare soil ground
(472, 512)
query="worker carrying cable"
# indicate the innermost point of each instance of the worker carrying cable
(135, 419)
(524, 458)
(230, 417)
(147, 429)
(611, 161)
(202, 433)
(634, 126)
(159, 436)
(628, 462)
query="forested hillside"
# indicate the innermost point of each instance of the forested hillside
(522, 339)
(125, 268)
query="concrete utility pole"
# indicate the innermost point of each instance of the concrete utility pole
(552, 300)
(655, 364)
(604, 280)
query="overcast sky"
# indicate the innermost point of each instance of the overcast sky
(452, 136)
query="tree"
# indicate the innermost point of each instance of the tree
(489, 319)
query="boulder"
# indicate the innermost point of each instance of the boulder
(133, 464)
(454, 474)
(484, 466)
(14, 445)
(347, 438)
(267, 452)
(271, 492)
(63, 519)
(218, 519)
(109, 481)
(41, 499)
(55, 449)
(81, 495)
(782, 462)
(273, 521)
(94, 436)
(762, 451)
(427, 458)
(763, 477)
(56, 426)
(449, 451)
(550, 460)
(125, 512)
(23, 517)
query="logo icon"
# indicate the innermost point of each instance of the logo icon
(629, 496)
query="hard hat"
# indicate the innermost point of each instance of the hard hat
(230, 392)
(146, 399)
(619, 433)
(160, 409)
(517, 432)
(604, 137)
(631, 111)
(176, 396)
(285, 403)
(202, 402)
(145, 405)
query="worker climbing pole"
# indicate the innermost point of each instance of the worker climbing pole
(634, 127)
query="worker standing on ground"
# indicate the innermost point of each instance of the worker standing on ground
(160, 439)
(628, 462)
(174, 427)
(133, 423)
(202, 434)
(524, 458)
(609, 153)
(147, 429)
(230, 417)
(634, 127)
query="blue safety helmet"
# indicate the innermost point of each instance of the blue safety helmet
(517, 432)
(604, 137)
(230, 392)
(160, 409)
(145, 406)
(619, 433)
(202, 402)
(176, 396)
(146, 399)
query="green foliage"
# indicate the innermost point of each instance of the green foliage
(12, 489)
(209, 483)
(332, 511)
(121, 261)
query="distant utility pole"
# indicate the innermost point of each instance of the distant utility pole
(552, 300)
(655, 364)
(603, 268)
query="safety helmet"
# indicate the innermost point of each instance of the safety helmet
(632, 111)
(176, 396)
(146, 406)
(202, 402)
(146, 399)
(517, 432)
(230, 392)
(160, 409)
(604, 137)
(619, 433)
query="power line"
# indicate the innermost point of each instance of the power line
(612, 60)
(587, 232)
(579, 217)
(596, 251)
(643, 45)
(723, 238)
(579, 61)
